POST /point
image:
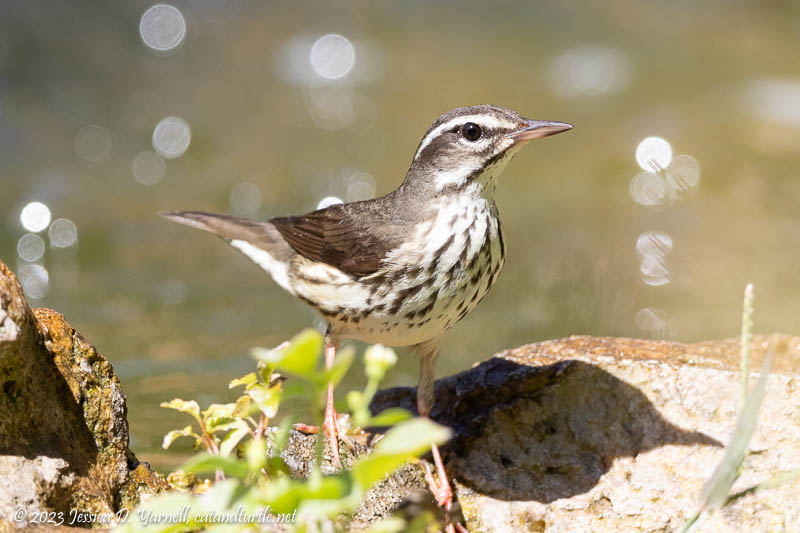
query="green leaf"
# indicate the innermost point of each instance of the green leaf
(267, 359)
(232, 439)
(359, 406)
(285, 495)
(267, 398)
(412, 437)
(249, 497)
(340, 367)
(280, 440)
(204, 463)
(389, 417)
(374, 468)
(265, 356)
(227, 528)
(227, 424)
(265, 370)
(189, 407)
(393, 524)
(170, 437)
(221, 495)
(218, 410)
(169, 504)
(424, 522)
(255, 452)
(244, 407)
(355, 400)
(244, 380)
(220, 417)
(328, 507)
(295, 389)
(406, 440)
(299, 358)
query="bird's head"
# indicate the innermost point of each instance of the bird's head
(470, 146)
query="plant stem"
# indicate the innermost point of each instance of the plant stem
(262, 426)
(747, 335)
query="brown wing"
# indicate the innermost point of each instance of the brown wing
(337, 236)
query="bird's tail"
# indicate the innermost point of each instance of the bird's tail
(260, 241)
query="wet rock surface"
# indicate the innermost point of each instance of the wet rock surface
(63, 426)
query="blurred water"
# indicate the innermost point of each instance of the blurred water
(111, 111)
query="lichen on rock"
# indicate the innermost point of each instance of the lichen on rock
(63, 427)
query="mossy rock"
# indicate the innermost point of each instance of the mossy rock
(64, 443)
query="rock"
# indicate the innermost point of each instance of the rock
(577, 434)
(605, 434)
(63, 427)
(403, 489)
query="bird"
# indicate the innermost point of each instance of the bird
(401, 269)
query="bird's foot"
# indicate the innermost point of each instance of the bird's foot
(331, 427)
(305, 428)
(441, 490)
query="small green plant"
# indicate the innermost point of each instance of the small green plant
(717, 490)
(253, 487)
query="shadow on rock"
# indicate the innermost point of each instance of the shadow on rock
(49, 419)
(541, 433)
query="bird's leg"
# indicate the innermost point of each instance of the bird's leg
(440, 487)
(330, 425)
(442, 492)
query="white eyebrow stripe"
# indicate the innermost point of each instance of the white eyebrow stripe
(483, 120)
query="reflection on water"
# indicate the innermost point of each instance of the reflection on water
(171, 137)
(653, 247)
(590, 70)
(162, 28)
(63, 233)
(653, 154)
(263, 109)
(649, 189)
(35, 217)
(651, 320)
(245, 198)
(683, 173)
(774, 99)
(35, 280)
(93, 143)
(328, 201)
(30, 247)
(360, 186)
(332, 56)
(148, 168)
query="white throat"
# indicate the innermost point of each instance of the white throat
(487, 179)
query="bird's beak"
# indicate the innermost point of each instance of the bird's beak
(534, 129)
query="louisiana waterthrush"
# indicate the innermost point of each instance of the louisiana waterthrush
(402, 269)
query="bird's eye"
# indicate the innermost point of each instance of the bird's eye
(471, 132)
